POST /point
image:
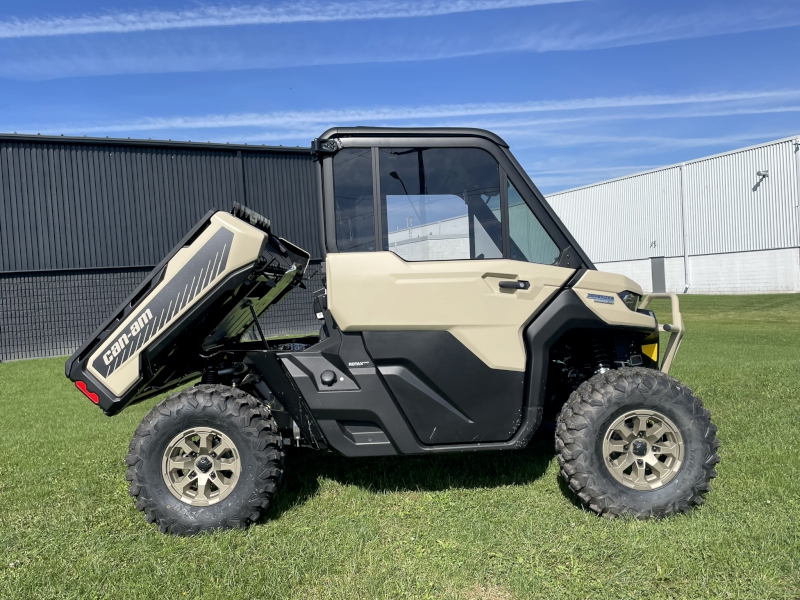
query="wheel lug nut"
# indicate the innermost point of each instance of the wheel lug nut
(625, 447)
(640, 462)
(656, 448)
(192, 475)
(641, 434)
(213, 475)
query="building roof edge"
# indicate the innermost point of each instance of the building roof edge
(672, 166)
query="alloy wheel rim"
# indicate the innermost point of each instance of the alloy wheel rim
(201, 466)
(643, 450)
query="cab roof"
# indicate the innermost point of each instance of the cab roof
(340, 132)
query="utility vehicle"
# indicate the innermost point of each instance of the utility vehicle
(457, 313)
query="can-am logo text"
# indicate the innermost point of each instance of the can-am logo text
(136, 327)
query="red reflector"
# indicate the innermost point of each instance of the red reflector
(90, 395)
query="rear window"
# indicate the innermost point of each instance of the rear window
(354, 206)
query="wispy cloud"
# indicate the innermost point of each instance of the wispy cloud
(557, 140)
(564, 178)
(243, 14)
(552, 181)
(706, 19)
(512, 125)
(340, 36)
(295, 120)
(657, 142)
(580, 171)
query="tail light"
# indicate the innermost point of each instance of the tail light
(90, 395)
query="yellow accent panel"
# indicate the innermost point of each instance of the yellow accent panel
(246, 245)
(651, 350)
(378, 291)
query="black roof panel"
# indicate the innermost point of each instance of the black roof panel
(413, 132)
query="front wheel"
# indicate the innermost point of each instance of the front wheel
(636, 442)
(208, 457)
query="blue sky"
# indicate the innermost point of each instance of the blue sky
(583, 90)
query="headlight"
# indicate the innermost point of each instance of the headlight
(630, 300)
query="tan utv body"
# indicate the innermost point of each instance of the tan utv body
(458, 314)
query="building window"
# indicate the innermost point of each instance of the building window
(529, 240)
(353, 200)
(440, 203)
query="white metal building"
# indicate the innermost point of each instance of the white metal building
(724, 224)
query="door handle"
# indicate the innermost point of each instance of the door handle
(515, 285)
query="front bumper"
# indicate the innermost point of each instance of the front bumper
(675, 329)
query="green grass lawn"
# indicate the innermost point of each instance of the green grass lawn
(465, 526)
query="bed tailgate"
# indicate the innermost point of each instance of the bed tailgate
(200, 297)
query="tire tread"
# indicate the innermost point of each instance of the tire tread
(255, 422)
(596, 394)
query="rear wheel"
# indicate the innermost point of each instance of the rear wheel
(636, 442)
(209, 457)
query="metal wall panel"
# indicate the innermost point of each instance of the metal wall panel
(727, 208)
(757, 272)
(53, 313)
(77, 205)
(283, 187)
(631, 218)
(730, 209)
(82, 221)
(83, 207)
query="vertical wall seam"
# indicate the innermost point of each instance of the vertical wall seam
(796, 144)
(684, 229)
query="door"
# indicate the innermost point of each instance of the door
(464, 265)
(659, 279)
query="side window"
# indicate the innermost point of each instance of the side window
(353, 200)
(440, 203)
(529, 240)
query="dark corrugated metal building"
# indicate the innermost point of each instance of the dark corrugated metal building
(83, 220)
